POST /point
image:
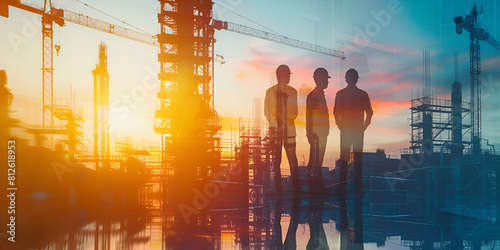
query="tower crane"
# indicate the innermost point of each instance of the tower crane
(50, 16)
(478, 32)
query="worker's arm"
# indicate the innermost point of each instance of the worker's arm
(369, 112)
(267, 106)
(309, 116)
(336, 111)
(292, 108)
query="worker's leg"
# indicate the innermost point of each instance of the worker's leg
(358, 137)
(322, 148)
(322, 139)
(291, 154)
(345, 147)
(277, 171)
(276, 163)
(311, 164)
(345, 144)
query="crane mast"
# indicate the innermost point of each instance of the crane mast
(478, 33)
(475, 82)
(48, 70)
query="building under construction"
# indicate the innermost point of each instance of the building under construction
(186, 118)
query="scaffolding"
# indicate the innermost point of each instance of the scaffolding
(73, 125)
(252, 145)
(157, 179)
(185, 116)
(101, 110)
(69, 127)
(432, 121)
(263, 153)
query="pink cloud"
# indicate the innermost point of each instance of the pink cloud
(262, 61)
(491, 63)
(400, 87)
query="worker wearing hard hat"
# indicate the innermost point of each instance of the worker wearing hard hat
(351, 105)
(280, 109)
(317, 128)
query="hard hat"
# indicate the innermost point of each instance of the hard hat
(283, 69)
(351, 73)
(319, 72)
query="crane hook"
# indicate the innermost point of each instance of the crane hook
(58, 47)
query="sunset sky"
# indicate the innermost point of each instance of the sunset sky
(384, 40)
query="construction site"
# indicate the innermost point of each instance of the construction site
(196, 189)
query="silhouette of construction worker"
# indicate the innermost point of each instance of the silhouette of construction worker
(280, 109)
(317, 127)
(351, 104)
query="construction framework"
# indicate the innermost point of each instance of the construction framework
(73, 125)
(101, 110)
(435, 120)
(186, 114)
